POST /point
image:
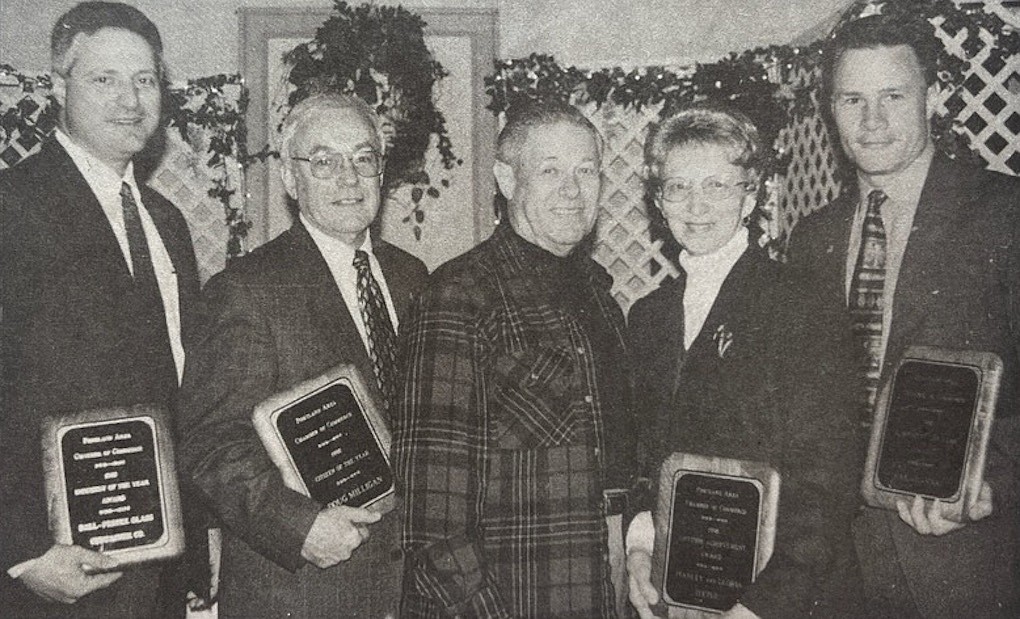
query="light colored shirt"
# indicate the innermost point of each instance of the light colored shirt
(339, 257)
(904, 193)
(705, 276)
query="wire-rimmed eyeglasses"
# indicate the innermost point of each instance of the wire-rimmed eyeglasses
(367, 163)
(714, 188)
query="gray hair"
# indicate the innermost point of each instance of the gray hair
(706, 124)
(306, 108)
(523, 118)
(87, 18)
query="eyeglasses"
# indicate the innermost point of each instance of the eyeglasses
(367, 163)
(714, 188)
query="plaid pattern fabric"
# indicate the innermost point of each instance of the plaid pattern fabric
(500, 442)
(382, 338)
(866, 300)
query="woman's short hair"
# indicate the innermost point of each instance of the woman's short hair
(87, 18)
(705, 124)
(308, 107)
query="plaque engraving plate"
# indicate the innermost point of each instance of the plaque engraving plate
(931, 429)
(111, 483)
(715, 530)
(329, 441)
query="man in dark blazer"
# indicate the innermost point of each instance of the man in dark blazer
(288, 312)
(952, 279)
(78, 329)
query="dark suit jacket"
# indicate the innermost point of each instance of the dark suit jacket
(958, 287)
(780, 393)
(273, 319)
(71, 340)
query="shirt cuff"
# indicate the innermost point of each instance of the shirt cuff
(641, 533)
(16, 571)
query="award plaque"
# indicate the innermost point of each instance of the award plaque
(329, 440)
(715, 527)
(931, 430)
(111, 483)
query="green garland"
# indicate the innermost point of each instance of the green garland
(379, 54)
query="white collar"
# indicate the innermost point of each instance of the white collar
(343, 252)
(101, 177)
(718, 263)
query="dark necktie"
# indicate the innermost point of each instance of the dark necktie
(866, 300)
(382, 338)
(141, 260)
(150, 302)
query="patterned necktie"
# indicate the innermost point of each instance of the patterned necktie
(866, 300)
(382, 338)
(141, 260)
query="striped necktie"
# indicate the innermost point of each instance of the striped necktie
(866, 300)
(382, 338)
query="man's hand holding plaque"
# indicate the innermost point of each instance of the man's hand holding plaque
(926, 457)
(66, 573)
(336, 533)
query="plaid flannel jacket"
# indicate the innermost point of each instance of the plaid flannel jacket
(500, 441)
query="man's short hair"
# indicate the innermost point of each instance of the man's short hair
(308, 107)
(706, 124)
(87, 18)
(877, 31)
(521, 119)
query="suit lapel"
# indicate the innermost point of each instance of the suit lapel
(79, 215)
(326, 306)
(397, 280)
(733, 297)
(941, 196)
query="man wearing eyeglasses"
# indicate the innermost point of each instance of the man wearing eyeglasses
(287, 312)
(514, 430)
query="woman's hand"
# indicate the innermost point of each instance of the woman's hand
(639, 574)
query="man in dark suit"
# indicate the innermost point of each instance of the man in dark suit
(288, 312)
(96, 274)
(948, 254)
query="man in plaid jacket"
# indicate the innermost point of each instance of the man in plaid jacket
(515, 420)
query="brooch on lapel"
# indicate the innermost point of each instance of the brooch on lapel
(722, 337)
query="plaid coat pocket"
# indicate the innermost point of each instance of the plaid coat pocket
(533, 398)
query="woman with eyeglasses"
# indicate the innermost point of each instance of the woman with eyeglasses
(734, 358)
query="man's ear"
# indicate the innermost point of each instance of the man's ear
(289, 181)
(59, 90)
(931, 100)
(505, 178)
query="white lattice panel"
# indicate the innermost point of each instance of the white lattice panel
(623, 244)
(184, 178)
(991, 93)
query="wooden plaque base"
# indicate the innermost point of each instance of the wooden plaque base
(328, 437)
(111, 483)
(715, 528)
(931, 429)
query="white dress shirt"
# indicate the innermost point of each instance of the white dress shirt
(105, 184)
(339, 257)
(705, 276)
